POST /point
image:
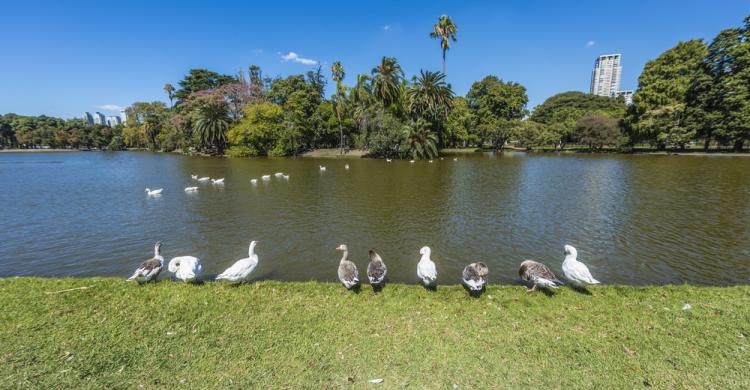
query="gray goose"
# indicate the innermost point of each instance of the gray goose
(348, 274)
(475, 276)
(150, 268)
(376, 269)
(538, 274)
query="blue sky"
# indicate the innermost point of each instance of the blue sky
(63, 58)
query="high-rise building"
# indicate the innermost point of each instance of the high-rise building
(605, 78)
(113, 120)
(123, 115)
(99, 119)
(88, 118)
(627, 95)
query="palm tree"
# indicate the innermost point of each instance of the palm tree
(445, 30)
(430, 97)
(422, 142)
(212, 124)
(169, 90)
(337, 73)
(386, 78)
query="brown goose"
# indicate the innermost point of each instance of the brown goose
(376, 269)
(538, 274)
(348, 274)
(475, 276)
(150, 268)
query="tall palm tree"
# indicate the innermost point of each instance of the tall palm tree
(169, 90)
(386, 78)
(430, 96)
(212, 124)
(445, 30)
(337, 73)
(422, 142)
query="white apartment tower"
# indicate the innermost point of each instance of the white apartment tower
(605, 78)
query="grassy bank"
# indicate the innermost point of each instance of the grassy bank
(55, 333)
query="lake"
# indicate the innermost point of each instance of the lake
(635, 219)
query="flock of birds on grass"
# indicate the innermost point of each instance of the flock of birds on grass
(474, 276)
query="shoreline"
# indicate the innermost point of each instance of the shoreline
(106, 332)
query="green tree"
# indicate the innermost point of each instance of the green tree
(201, 80)
(659, 104)
(338, 74)
(597, 131)
(460, 126)
(169, 90)
(386, 78)
(421, 141)
(498, 106)
(258, 131)
(444, 30)
(531, 135)
(211, 126)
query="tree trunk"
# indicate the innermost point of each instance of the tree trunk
(443, 61)
(738, 144)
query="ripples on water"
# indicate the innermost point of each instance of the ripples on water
(634, 219)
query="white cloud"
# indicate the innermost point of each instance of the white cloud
(590, 43)
(110, 107)
(292, 56)
(386, 27)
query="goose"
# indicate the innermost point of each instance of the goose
(191, 189)
(388, 160)
(575, 271)
(242, 268)
(411, 161)
(217, 181)
(322, 168)
(348, 274)
(426, 270)
(538, 274)
(441, 158)
(266, 177)
(194, 177)
(279, 174)
(346, 166)
(286, 177)
(376, 269)
(253, 181)
(475, 276)
(455, 158)
(185, 268)
(150, 268)
(430, 161)
(155, 192)
(205, 178)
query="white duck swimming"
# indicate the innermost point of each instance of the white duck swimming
(242, 268)
(411, 161)
(388, 160)
(205, 178)
(475, 276)
(346, 166)
(155, 192)
(150, 268)
(266, 177)
(322, 168)
(286, 177)
(191, 189)
(217, 181)
(575, 271)
(279, 174)
(348, 274)
(253, 181)
(426, 270)
(185, 268)
(194, 177)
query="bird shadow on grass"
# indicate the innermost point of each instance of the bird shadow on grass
(546, 291)
(356, 289)
(581, 290)
(474, 293)
(378, 288)
(431, 287)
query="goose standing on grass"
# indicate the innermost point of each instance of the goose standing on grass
(475, 276)
(217, 181)
(185, 268)
(538, 274)
(426, 270)
(150, 268)
(348, 274)
(191, 189)
(376, 269)
(155, 192)
(242, 268)
(575, 271)
(205, 178)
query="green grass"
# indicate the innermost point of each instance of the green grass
(318, 335)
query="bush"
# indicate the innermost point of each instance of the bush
(242, 151)
(116, 144)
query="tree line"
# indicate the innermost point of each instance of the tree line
(20, 131)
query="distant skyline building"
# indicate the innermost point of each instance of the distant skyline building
(627, 94)
(605, 78)
(88, 118)
(113, 120)
(124, 115)
(100, 119)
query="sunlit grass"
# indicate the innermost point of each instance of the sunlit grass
(292, 335)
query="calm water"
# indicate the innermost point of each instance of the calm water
(634, 219)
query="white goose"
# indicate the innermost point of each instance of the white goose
(191, 189)
(286, 177)
(150, 268)
(426, 270)
(430, 161)
(322, 168)
(346, 166)
(575, 271)
(185, 268)
(253, 181)
(266, 177)
(279, 174)
(455, 158)
(388, 160)
(411, 161)
(205, 178)
(155, 192)
(194, 177)
(348, 274)
(242, 268)
(217, 181)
